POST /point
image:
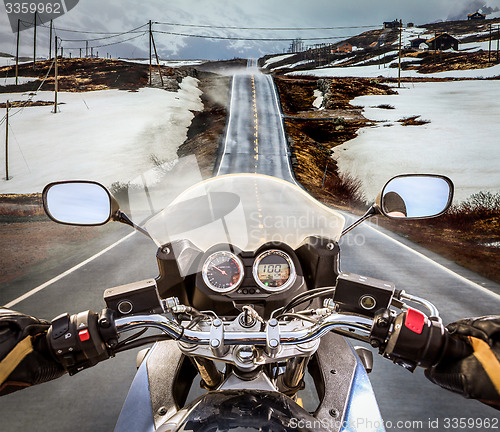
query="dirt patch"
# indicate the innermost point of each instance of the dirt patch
(207, 128)
(314, 133)
(81, 75)
(413, 121)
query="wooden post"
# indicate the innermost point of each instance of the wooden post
(7, 142)
(150, 61)
(399, 66)
(80, 53)
(324, 175)
(50, 41)
(56, 87)
(34, 45)
(86, 49)
(157, 60)
(92, 52)
(17, 49)
(489, 48)
(498, 39)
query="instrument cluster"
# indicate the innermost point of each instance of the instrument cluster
(270, 270)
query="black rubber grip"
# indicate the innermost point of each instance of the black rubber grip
(455, 349)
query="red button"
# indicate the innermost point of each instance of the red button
(415, 320)
(84, 335)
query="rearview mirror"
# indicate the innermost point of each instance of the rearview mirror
(416, 196)
(78, 203)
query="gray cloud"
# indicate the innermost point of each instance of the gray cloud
(108, 16)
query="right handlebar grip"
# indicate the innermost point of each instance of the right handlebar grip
(454, 349)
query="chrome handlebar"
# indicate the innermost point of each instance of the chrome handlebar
(269, 337)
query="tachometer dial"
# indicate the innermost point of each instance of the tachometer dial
(273, 270)
(223, 272)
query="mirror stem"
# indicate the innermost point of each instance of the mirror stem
(122, 217)
(372, 211)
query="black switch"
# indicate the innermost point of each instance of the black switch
(60, 325)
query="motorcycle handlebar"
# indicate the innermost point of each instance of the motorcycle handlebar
(296, 337)
(402, 338)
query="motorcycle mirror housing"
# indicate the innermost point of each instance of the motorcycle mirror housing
(411, 196)
(84, 203)
(415, 196)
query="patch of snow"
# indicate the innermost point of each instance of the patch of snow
(461, 141)
(294, 65)
(318, 101)
(374, 71)
(277, 59)
(493, 244)
(106, 136)
(169, 63)
(12, 81)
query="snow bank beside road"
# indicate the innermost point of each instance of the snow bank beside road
(375, 71)
(106, 136)
(461, 141)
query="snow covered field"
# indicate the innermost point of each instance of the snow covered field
(461, 141)
(374, 71)
(106, 136)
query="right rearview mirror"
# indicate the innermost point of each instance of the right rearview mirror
(416, 196)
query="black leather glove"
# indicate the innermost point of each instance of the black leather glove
(476, 376)
(25, 358)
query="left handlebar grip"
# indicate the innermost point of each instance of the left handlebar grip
(82, 340)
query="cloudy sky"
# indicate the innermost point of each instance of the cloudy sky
(123, 15)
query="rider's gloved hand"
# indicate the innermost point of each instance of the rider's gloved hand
(476, 376)
(25, 359)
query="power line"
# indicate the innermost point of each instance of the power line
(107, 37)
(112, 43)
(248, 39)
(263, 28)
(89, 32)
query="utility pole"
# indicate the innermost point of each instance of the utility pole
(399, 66)
(7, 142)
(498, 39)
(86, 49)
(50, 41)
(56, 87)
(92, 52)
(34, 45)
(150, 61)
(157, 60)
(489, 48)
(17, 49)
(80, 53)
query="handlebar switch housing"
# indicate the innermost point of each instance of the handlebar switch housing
(82, 340)
(415, 340)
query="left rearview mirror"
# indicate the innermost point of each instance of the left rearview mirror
(416, 196)
(78, 203)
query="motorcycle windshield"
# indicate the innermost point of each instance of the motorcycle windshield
(245, 210)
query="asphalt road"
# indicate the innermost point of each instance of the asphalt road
(255, 140)
(91, 400)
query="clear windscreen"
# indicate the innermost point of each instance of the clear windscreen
(244, 210)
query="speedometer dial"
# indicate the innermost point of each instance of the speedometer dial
(223, 272)
(273, 270)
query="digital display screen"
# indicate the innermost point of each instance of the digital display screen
(274, 275)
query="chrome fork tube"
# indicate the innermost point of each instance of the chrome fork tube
(294, 372)
(209, 373)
